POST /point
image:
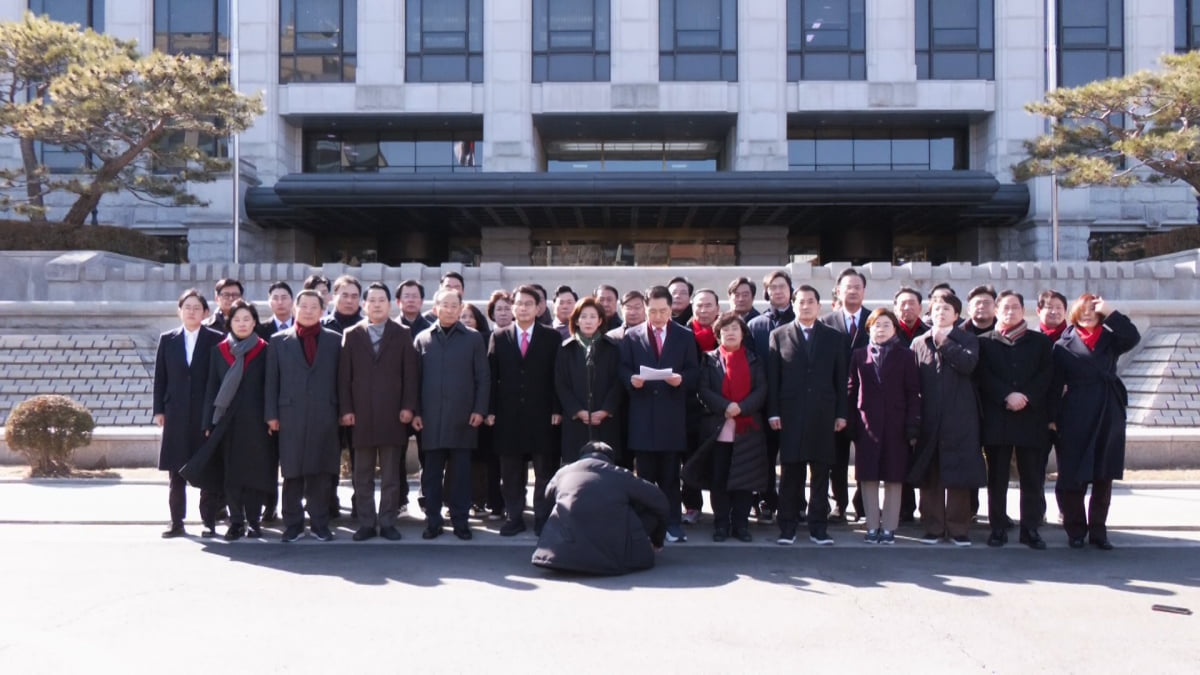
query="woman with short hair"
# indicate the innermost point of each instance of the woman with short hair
(585, 376)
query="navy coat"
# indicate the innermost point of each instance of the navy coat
(1091, 411)
(179, 394)
(806, 390)
(887, 413)
(658, 411)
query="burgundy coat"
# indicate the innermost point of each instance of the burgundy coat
(376, 387)
(888, 413)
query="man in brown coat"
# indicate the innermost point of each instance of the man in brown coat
(378, 385)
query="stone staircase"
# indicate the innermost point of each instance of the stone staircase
(1163, 379)
(110, 374)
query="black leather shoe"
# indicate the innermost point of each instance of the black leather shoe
(292, 534)
(433, 532)
(235, 532)
(363, 534)
(1102, 544)
(743, 534)
(998, 538)
(270, 517)
(720, 534)
(836, 516)
(512, 528)
(253, 531)
(176, 530)
(1033, 540)
(1076, 542)
(390, 533)
(463, 532)
(209, 531)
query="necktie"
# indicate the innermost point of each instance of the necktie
(853, 330)
(658, 342)
(524, 342)
(807, 334)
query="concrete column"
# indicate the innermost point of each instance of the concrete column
(1149, 33)
(380, 43)
(508, 134)
(130, 20)
(891, 41)
(761, 143)
(762, 245)
(270, 143)
(635, 41)
(505, 245)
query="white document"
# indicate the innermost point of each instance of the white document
(655, 374)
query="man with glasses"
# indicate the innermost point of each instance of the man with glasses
(227, 291)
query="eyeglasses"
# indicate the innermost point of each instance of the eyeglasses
(231, 296)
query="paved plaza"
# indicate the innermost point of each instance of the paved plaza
(90, 586)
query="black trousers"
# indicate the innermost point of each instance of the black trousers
(662, 469)
(791, 490)
(839, 474)
(1031, 472)
(271, 503)
(514, 478)
(731, 508)
(1093, 523)
(459, 485)
(210, 501)
(313, 492)
(485, 481)
(771, 495)
(692, 498)
(245, 503)
(908, 502)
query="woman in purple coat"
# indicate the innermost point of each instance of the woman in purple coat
(885, 389)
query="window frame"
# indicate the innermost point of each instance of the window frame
(1113, 46)
(802, 56)
(342, 58)
(983, 48)
(546, 54)
(859, 139)
(1187, 26)
(374, 140)
(671, 54)
(418, 56)
(163, 41)
(95, 13)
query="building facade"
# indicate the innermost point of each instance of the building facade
(646, 131)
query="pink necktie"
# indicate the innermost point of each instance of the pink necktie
(658, 339)
(524, 343)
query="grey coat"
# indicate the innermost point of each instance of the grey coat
(949, 411)
(304, 400)
(455, 383)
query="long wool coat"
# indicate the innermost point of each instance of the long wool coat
(241, 437)
(571, 375)
(179, 394)
(523, 397)
(1024, 367)
(888, 413)
(376, 387)
(949, 412)
(1091, 411)
(748, 464)
(455, 383)
(806, 390)
(658, 411)
(304, 400)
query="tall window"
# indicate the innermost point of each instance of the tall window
(1091, 41)
(192, 27)
(392, 152)
(697, 40)
(86, 13)
(848, 149)
(571, 40)
(1187, 25)
(956, 40)
(629, 155)
(827, 40)
(318, 40)
(444, 41)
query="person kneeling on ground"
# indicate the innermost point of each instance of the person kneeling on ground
(602, 519)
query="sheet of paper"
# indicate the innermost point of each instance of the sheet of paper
(655, 374)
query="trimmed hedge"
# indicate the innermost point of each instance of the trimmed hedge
(22, 235)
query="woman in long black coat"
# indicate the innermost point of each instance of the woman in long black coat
(885, 393)
(239, 432)
(590, 395)
(1090, 416)
(733, 391)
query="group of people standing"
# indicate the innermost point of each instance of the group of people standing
(687, 396)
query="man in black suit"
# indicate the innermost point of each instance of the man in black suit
(180, 376)
(525, 411)
(608, 298)
(226, 291)
(777, 291)
(849, 319)
(279, 297)
(410, 297)
(658, 408)
(906, 303)
(681, 300)
(806, 404)
(741, 294)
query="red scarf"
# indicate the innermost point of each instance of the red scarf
(736, 385)
(1053, 333)
(910, 332)
(1090, 337)
(308, 339)
(706, 339)
(227, 352)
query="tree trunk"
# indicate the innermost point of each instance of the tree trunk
(83, 206)
(33, 184)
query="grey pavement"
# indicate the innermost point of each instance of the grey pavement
(90, 587)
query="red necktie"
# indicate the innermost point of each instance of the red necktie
(524, 343)
(853, 329)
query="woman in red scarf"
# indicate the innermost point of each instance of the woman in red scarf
(1088, 405)
(733, 390)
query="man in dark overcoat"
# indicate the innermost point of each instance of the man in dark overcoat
(849, 319)
(378, 383)
(302, 386)
(525, 411)
(180, 376)
(806, 404)
(600, 518)
(1014, 373)
(658, 408)
(455, 387)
